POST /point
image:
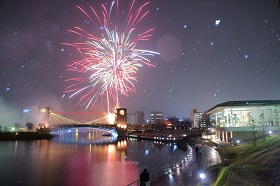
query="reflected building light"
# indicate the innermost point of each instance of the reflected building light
(16, 146)
(122, 145)
(111, 148)
(174, 147)
(146, 152)
(89, 136)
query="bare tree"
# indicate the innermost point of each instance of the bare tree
(29, 126)
(254, 129)
(276, 119)
(262, 125)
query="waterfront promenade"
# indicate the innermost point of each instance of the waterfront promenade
(191, 173)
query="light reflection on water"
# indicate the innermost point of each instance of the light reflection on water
(85, 135)
(80, 159)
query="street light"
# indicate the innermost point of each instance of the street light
(202, 177)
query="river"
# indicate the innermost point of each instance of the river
(81, 156)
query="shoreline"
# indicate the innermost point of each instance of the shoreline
(11, 136)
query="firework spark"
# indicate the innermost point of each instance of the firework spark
(110, 59)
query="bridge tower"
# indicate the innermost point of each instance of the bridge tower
(43, 115)
(121, 118)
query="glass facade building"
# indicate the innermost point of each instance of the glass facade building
(231, 117)
(244, 113)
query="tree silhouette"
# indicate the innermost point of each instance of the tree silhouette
(276, 119)
(29, 126)
(262, 125)
(254, 129)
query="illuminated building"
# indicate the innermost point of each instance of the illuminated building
(233, 119)
(199, 120)
(156, 117)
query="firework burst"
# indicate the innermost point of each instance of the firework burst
(110, 58)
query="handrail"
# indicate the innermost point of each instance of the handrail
(167, 169)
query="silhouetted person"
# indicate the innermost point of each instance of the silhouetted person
(196, 150)
(145, 178)
(200, 152)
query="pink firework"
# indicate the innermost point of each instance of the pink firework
(110, 59)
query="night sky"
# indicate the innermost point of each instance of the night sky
(211, 52)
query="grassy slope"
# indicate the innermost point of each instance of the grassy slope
(249, 164)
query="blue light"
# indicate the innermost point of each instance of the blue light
(174, 147)
(114, 134)
(25, 110)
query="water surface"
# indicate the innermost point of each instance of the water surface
(81, 156)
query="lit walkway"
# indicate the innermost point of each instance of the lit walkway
(190, 174)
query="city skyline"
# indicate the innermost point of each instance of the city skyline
(210, 53)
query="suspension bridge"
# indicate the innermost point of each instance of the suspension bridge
(56, 119)
(52, 119)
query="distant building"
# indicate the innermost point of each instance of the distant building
(174, 120)
(192, 113)
(199, 120)
(156, 117)
(130, 118)
(139, 117)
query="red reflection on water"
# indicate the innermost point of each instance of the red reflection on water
(103, 166)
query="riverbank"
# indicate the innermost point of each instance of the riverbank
(249, 164)
(181, 138)
(8, 136)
